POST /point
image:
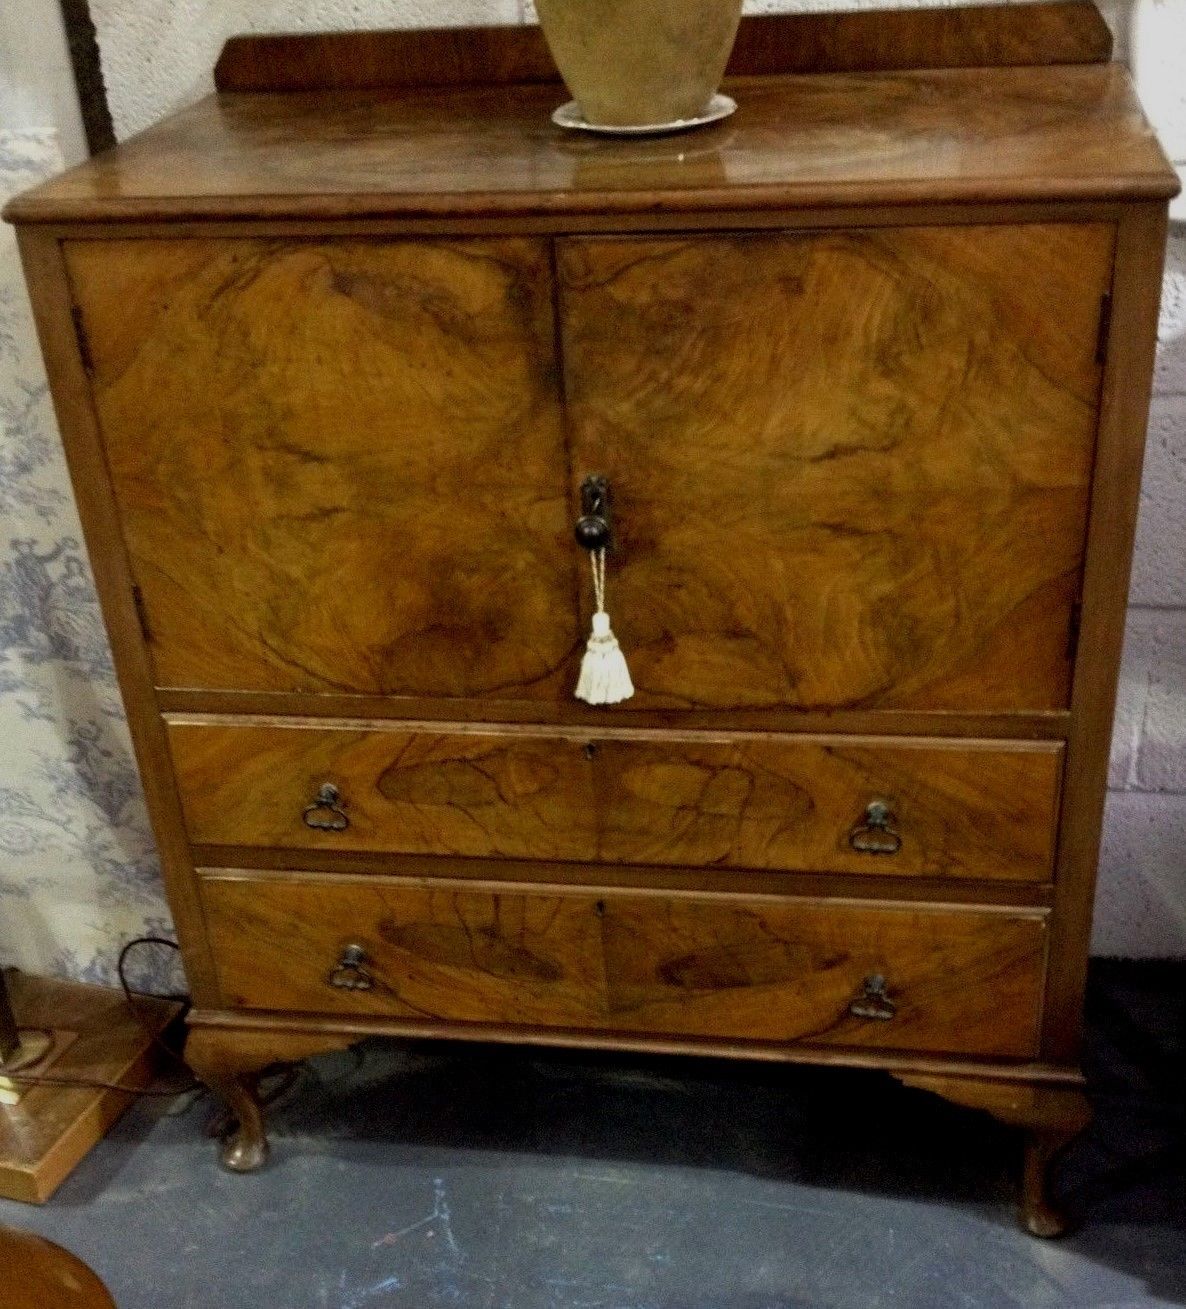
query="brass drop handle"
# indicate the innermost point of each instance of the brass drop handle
(349, 973)
(873, 1002)
(326, 814)
(876, 832)
(594, 530)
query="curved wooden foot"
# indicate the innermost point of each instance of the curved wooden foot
(213, 1059)
(245, 1148)
(1039, 1215)
(1052, 1113)
(230, 1059)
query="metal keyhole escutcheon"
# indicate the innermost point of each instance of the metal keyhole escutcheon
(593, 529)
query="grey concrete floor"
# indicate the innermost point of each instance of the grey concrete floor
(415, 1175)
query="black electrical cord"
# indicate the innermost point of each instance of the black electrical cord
(49, 1079)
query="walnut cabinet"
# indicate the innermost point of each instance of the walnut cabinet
(333, 356)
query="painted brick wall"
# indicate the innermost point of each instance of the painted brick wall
(1142, 895)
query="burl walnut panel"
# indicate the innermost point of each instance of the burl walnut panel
(964, 981)
(340, 464)
(963, 809)
(850, 469)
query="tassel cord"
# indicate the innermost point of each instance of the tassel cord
(597, 563)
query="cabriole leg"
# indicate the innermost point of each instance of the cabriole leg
(1039, 1216)
(212, 1057)
(229, 1059)
(1052, 1114)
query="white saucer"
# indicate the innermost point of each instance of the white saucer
(570, 116)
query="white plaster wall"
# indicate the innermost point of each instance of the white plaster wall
(157, 55)
(1156, 35)
(36, 84)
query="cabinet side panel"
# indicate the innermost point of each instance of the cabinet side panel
(1124, 414)
(49, 291)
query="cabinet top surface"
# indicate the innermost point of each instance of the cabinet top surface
(796, 141)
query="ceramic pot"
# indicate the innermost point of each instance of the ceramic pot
(633, 63)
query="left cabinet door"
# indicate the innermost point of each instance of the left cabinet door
(340, 464)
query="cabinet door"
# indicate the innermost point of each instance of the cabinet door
(340, 466)
(849, 469)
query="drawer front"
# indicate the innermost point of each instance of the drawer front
(957, 980)
(958, 809)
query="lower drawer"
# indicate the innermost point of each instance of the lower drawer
(958, 980)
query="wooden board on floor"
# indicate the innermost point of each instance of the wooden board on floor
(43, 1138)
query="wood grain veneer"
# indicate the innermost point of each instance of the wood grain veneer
(726, 800)
(979, 36)
(964, 981)
(252, 1034)
(920, 420)
(975, 135)
(1129, 350)
(389, 515)
(66, 366)
(273, 551)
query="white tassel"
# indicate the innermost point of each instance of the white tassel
(604, 678)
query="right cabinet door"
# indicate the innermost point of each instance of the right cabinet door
(849, 469)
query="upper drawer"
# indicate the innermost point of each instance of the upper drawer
(954, 808)
(849, 468)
